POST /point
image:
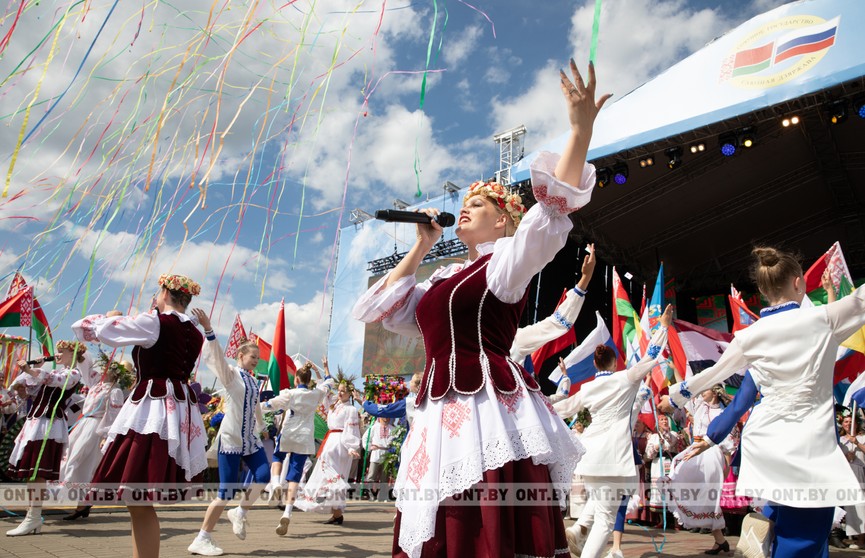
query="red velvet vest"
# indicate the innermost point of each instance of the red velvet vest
(171, 359)
(47, 398)
(467, 335)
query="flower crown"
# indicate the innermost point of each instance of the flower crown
(510, 202)
(74, 346)
(180, 283)
(118, 370)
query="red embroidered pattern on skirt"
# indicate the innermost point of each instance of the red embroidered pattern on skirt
(454, 415)
(419, 464)
(510, 400)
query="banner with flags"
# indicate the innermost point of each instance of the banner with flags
(279, 364)
(235, 338)
(561, 343)
(580, 363)
(21, 309)
(842, 281)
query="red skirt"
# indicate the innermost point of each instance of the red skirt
(47, 468)
(137, 467)
(492, 530)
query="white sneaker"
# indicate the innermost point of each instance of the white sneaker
(32, 525)
(614, 554)
(238, 524)
(853, 546)
(282, 528)
(204, 547)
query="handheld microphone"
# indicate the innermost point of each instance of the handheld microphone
(396, 216)
(50, 358)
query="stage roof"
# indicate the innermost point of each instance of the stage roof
(802, 185)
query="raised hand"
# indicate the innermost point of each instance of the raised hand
(429, 233)
(202, 319)
(580, 98)
(667, 316)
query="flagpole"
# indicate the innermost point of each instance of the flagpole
(30, 335)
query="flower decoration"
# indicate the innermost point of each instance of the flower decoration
(119, 372)
(384, 389)
(182, 283)
(74, 346)
(508, 201)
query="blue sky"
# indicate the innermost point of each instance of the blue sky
(244, 121)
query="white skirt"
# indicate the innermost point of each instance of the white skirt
(328, 484)
(696, 486)
(83, 452)
(455, 439)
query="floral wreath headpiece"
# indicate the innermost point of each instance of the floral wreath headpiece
(510, 202)
(74, 346)
(182, 283)
(122, 374)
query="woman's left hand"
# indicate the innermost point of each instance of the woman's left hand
(354, 454)
(580, 98)
(667, 316)
(696, 449)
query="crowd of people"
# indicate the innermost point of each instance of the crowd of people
(477, 420)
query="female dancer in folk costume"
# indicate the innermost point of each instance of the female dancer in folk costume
(30, 459)
(327, 485)
(853, 444)
(789, 447)
(481, 420)
(101, 405)
(702, 509)
(156, 444)
(297, 437)
(663, 445)
(238, 438)
(608, 469)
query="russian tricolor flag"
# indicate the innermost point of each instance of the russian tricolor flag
(580, 363)
(807, 40)
(856, 392)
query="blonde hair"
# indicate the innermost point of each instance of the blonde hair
(773, 269)
(246, 346)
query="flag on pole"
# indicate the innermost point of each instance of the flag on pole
(833, 261)
(626, 323)
(279, 363)
(235, 338)
(561, 343)
(856, 392)
(580, 363)
(742, 315)
(21, 309)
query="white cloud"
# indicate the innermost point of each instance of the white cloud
(458, 49)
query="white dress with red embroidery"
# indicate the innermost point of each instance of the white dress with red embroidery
(328, 482)
(102, 404)
(456, 438)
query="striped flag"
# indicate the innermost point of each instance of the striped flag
(21, 309)
(833, 261)
(806, 40)
(580, 363)
(626, 323)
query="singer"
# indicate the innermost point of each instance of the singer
(481, 419)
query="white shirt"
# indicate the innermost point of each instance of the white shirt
(298, 426)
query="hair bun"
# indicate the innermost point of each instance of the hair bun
(768, 257)
(600, 352)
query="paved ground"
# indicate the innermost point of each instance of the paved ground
(367, 531)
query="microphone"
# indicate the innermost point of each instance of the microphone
(50, 358)
(396, 216)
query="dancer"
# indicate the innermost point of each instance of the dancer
(238, 438)
(39, 446)
(157, 441)
(481, 419)
(376, 444)
(297, 436)
(327, 485)
(663, 445)
(101, 406)
(702, 510)
(789, 441)
(609, 468)
(853, 444)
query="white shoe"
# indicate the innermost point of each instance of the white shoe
(32, 525)
(238, 524)
(853, 546)
(282, 528)
(204, 547)
(575, 542)
(614, 554)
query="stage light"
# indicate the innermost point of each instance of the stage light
(837, 111)
(747, 136)
(728, 144)
(620, 173)
(790, 121)
(698, 147)
(859, 107)
(647, 162)
(602, 177)
(674, 154)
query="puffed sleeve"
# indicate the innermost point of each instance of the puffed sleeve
(351, 429)
(119, 331)
(730, 362)
(847, 315)
(60, 377)
(542, 232)
(215, 360)
(394, 306)
(531, 338)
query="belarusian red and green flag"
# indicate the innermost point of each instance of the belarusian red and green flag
(21, 309)
(279, 364)
(626, 323)
(833, 261)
